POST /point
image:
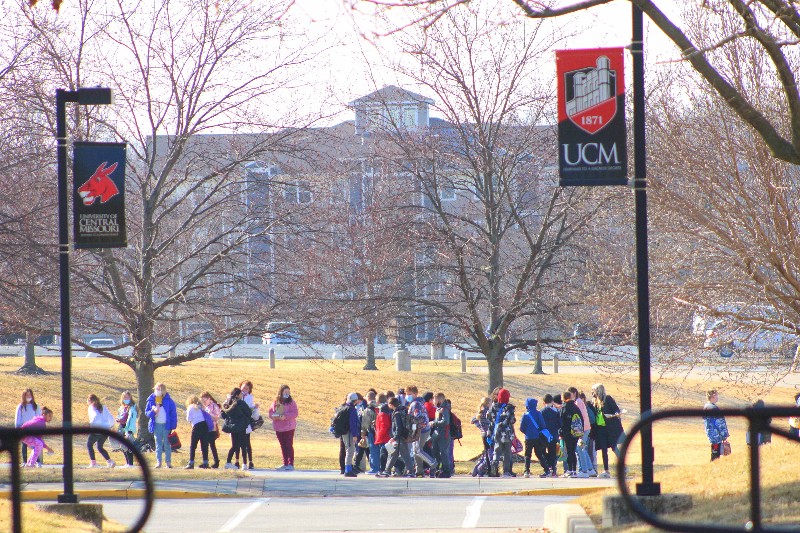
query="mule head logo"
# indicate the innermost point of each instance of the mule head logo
(99, 185)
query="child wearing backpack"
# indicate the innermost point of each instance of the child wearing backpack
(537, 437)
(571, 431)
(552, 420)
(501, 414)
(100, 417)
(398, 445)
(441, 438)
(200, 431)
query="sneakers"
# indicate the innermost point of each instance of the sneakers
(526, 474)
(215, 465)
(229, 466)
(189, 466)
(281, 468)
(94, 464)
(509, 474)
(111, 463)
(546, 474)
(604, 475)
(592, 473)
(582, 475)
(250, 466)
(169, 465)
(350, 473)
(126, 465)
(289, 468)
(203, 465)
(244, 466)
(381, 474)
(158, 465)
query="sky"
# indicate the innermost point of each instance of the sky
(354, 66)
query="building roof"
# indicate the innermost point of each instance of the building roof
(391, 94)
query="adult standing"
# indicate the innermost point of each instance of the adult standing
(127, 414)
(237, 416)
(163, 418)
(716, 427)
(283, 413)
(26, 411)
(608, 424)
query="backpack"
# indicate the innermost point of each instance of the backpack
(209, 420)
(455, 427)
(576, 425)
(340, 423)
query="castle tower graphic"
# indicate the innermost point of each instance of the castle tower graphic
(591, 86)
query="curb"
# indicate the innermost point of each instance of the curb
(118, 494)
(571, 491)
(567, 518)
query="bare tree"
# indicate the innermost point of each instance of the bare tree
(492, 229)
(705, 37)
(185, 74)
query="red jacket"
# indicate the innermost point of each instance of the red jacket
(431, 410)
(383, 426)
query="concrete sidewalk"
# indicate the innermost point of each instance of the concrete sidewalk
(265, 483)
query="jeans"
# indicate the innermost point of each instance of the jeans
(162, 444)
(584, 461)
(374, 453)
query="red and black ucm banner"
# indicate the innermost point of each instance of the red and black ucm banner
(98, 196)
(591, 117)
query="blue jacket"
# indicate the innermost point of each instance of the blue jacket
(170, 411)
(532, 423)
(716, 427)
(552, 419)
(355, 423)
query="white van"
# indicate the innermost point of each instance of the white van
(745, 332)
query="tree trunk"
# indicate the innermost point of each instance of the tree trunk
(537, 367)
(145, 382)
(370, 354)
(30, 358)
(495, 363)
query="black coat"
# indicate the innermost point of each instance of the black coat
(237, 417)
(567, 411)
(608, 436)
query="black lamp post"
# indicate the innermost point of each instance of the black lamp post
(83, 96)
(647, 487)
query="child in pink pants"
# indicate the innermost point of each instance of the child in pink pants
(34, 442)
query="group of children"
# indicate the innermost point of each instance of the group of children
(567, 429)
(240, 413)
(412, 435)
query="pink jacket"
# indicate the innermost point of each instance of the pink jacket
(585, 414)
(290, 414)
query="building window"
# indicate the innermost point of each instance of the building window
(298, 192)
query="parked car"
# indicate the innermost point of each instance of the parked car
(101, 343)
(745, 329)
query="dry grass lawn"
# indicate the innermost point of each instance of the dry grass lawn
(319, 385)
(36, 521)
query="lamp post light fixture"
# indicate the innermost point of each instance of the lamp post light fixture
(81, 96)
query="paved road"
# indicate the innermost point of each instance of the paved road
(408, 513)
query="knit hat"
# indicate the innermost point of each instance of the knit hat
(503, 396)
(352, 397)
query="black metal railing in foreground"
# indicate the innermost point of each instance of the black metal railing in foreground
(757, 422)
(10, 442)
